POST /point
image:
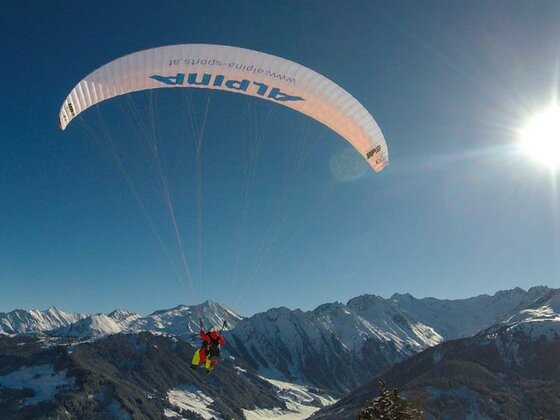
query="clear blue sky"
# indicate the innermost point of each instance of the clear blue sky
(457, 213)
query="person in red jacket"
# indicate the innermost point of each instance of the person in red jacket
(209, 352)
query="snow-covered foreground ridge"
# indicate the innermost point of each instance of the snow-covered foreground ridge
(137, 376)
(298, 402)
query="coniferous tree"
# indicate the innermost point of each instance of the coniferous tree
(389, 405)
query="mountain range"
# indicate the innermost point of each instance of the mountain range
(321, 355)
(32, 321)
(508, 371)
(181, 320)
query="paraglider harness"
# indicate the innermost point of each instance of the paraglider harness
(212, 349)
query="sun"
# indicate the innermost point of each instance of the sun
(540, 139)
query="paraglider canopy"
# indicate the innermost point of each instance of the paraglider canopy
(235, 70)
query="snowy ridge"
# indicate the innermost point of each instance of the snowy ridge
(123, 318)
(34, 320)
(510, 370)
(350, 341)
(184, 320)
(369, 334)
(411, 323)
(541, 320)
(545, 308)
(181, 320)
(466, 317)
(91, 327)
(386, 317)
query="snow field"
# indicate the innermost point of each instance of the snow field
(188, 397)
(42, 379)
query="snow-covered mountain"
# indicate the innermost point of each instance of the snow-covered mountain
(34, 320)
(508, 371)
(123, 318)
(355, 340)
(180, 321)
(413, 323)
(465, 317)
(538, 321)
(90, 327)
(335, 346)
(402, 328)
(366, 336)
(184, 320)
(312, 356)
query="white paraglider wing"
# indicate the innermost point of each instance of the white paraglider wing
(236, 70)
